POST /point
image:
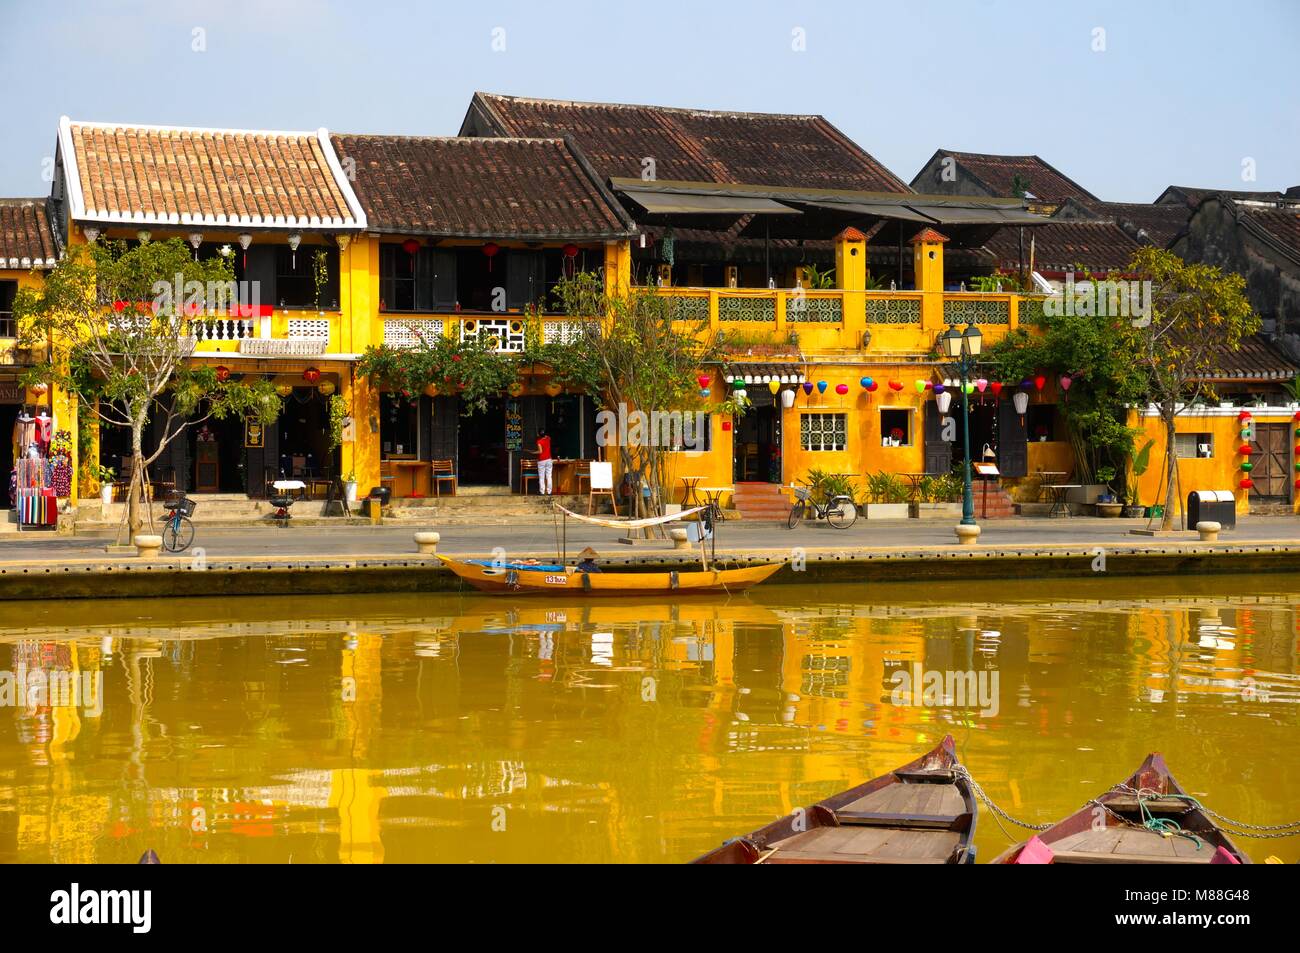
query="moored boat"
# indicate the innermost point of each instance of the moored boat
(520, 578)
(1148, 819)
(921, 813)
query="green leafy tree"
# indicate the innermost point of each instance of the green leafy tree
(1197, 312)
(115, 325)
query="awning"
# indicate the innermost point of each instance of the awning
(876, 211)
(952, 215)
(784, 373)
(673, 203)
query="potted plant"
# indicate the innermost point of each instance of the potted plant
(1142, 460)
(350, 487)
(1107, 505)
(105, 477)
(938, 497)
(888, 497)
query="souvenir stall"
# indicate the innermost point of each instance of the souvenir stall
(43, 470)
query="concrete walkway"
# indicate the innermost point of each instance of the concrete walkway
(734, 536)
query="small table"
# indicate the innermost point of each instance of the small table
(1059, 491)
(713, 497)
(1046, 477)
(689, 497)
(915, 480)
(289, 486)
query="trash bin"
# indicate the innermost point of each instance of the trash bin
(1214, 506)
(376, 500)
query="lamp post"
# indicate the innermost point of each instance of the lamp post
(964, 348)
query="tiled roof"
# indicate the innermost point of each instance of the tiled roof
(1255, 360)
(26, 240)
(185, 176)
(1193, 196)
(691, 144)
(1062, 246)
(1147, 224)
(996, 173)
(461, 187)
(1280, 228)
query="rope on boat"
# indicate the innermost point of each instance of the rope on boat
(1159, 825)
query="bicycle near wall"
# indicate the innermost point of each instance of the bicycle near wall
(839, 511)
(178, 531)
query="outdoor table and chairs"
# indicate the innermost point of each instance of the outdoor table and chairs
(1048, 477)
(1059, 492)
(914, 481)
(689, 496)
(713, 498)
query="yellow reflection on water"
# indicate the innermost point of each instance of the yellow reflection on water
(476, 729)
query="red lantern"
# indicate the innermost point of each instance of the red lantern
(491, 249)
(1244, 415)
(1245, 448)
(997, 387)
(726, 425)
(311, 375)
(1040, 382)
(895, 385)
(1247, 483)
(570, 250)
(841, 389)
(703, 381)
(871, 388)
(223, 373)
(412, 248)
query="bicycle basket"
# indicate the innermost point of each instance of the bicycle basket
(800, 494)
(184, 505)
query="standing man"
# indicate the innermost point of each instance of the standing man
(544, 463)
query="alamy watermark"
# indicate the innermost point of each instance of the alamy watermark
(671, 429)
(1116, 298)
(55, 688)
(916, 687)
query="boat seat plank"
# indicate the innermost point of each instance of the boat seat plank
(866, 845)
(1128, 804)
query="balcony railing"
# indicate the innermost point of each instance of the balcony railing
(507, 334)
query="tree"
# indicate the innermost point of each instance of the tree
(115, 323)
(1095, 350)
(645, 362)
(1197, 313)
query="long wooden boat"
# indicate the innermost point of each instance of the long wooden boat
(524, 578)
(921, 813)
(1117, 833)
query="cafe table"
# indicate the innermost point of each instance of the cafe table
(1059, 493)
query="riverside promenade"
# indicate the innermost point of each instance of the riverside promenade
(265, 560)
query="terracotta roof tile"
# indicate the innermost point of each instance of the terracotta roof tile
(26, 240)
(693, 145)
(1280, 227)
(246, 178)
(1046, 183)
(1255, 360)
(504, 188)
(1062, 246)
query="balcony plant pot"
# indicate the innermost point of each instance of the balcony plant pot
(1109, 510)
(106, 495)
(1134, 512)
(886, 511)
(928, 511)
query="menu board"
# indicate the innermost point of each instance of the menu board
(514, 427)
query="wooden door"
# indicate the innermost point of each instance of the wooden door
(1272, 463)
(1013, 444)
(938, 452)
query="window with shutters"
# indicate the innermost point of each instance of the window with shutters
(423, 281)
(1191, 446)
(823, 431)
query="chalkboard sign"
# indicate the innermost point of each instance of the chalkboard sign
(514, 427)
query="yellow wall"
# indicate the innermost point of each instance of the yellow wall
(1220, 472)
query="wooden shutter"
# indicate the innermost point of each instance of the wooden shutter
(938, 452)
(523, 278)
(1013, 441)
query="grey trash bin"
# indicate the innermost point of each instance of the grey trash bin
(1214, 506)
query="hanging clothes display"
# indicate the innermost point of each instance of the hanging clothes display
(38, 480)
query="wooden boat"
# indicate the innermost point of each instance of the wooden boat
(521, 578)
(921, 813)
(1116, 835)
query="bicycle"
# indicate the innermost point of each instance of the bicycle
(840, 511)
(178, 531)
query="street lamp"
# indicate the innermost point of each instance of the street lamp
(964, 348)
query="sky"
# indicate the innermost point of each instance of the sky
(1125, 97)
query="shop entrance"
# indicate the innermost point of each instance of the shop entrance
(757, 447)
(216, 451)
(481, 444)
(8, 417)
(304, 436)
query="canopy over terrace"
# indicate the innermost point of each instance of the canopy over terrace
(774, 213)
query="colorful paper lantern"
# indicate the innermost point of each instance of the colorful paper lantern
(1244, 415)
(326, 388)
(491, 249)
(872, 387)
(741, 394)
(1247, 483)
(821, 387)
(787, 399)
(774, 386)
(939, 388)
(981, 384)
(223, 373)
(738, 382)
(1245, 448)
(705, 392)
(865, 382)
(703, 380)
(1247, 467)
(1021, 400)
(1066, 381)
(311, 375)
(996, 386)
(807, 387)
(554, 390)
(943, 401)
(895, 385)
(841, 389)
(515, 388)
(920, 386)
(1040, 382)
(284, 390)
(726, 425)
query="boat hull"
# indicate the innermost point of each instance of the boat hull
(921, 813)
(1108, 830)
(516, 581)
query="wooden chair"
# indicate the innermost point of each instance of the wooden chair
(441, 471)
(299, 464)
(386, 477)
(318, 487)
(581, 471)
(527, 471)
(269, 476)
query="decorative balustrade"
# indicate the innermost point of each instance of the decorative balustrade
(814, 309)
(222, 329)
(893, 310)
(976, 308)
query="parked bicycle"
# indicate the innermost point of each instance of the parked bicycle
(178, 531)
(840, 510)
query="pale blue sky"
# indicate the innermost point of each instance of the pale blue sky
(1183, 92)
